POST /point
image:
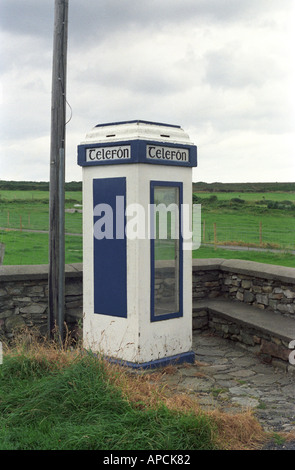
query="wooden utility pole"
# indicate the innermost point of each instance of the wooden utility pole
(56, 275)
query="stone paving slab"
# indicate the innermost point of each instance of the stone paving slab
(225, 376)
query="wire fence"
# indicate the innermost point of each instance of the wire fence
(24, 236)
(36, 220)
(254, 235)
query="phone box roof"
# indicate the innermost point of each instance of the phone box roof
(137, 130)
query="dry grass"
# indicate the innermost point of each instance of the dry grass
(33, 345)
(148, 390)
(239, 431)
(290, 436)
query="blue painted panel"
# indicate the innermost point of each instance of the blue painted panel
(109, 247)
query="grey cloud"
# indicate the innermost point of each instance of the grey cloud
(167, 77)
(237, 69)
(92, 19)
(27, 53)
(145, 78)
(29, 17)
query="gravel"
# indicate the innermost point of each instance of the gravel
(290, 445)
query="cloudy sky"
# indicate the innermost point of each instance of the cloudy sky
(223, 70)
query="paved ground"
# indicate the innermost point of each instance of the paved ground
(230, 378)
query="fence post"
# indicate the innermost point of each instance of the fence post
(204, 231)
(215, 235)
(260, 233)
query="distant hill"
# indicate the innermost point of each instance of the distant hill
(243, 187)
(37, 185)
(197, 187)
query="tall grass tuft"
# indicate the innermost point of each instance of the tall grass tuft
(72, 401)
(54, 398)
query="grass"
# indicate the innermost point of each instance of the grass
(36, 218)
(253, 219)
(279, 259)
(251, 196)
(23, 248)
(277, 230)
(30, 210)
(53, 399)
(32, 248)
(34, 195)
(77, 407)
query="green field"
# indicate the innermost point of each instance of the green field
(32, 248)
(274, 196)
(30, 210)
(274, 230)
(279, 259)
(22, 212)
(256, 219)
(261, 220)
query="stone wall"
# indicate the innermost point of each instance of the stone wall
(264, 286)
(165, 281)
(24, 291)
(24, 298)
(271, 288)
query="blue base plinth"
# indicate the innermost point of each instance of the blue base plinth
(188, 357)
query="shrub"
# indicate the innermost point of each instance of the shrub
(238, 200)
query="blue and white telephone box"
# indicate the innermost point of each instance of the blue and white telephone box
(137, 272)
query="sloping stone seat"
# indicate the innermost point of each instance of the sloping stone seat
(267, 332)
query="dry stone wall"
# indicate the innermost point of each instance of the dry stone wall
(270, 288)
(24, 299)
(24, 293)
(264, 286)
